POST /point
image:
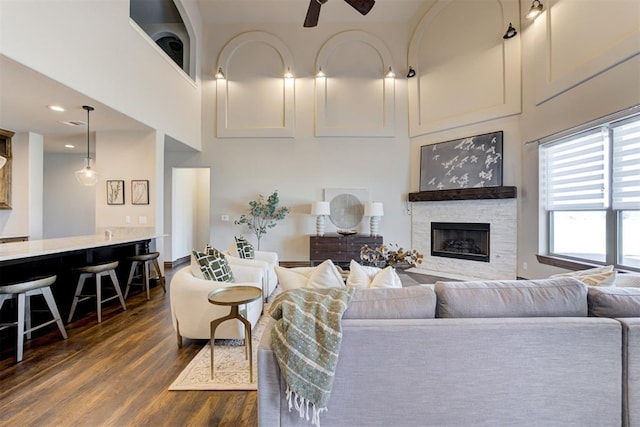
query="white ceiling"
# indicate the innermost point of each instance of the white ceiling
(294, 11)
(25, 94)
(23, 108)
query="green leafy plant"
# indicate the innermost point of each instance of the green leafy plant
(392, 255)
(263, 215)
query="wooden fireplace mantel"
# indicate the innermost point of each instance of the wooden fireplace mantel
(464, 194)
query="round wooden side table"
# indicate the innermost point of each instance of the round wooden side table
(235, 296)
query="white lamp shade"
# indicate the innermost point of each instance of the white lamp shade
(374, 209)
(320, 208)
(2, 161)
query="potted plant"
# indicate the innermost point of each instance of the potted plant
(263, 214)
(392, 255)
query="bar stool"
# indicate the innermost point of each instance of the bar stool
(144, 260)
(97, 272)
(23, 291)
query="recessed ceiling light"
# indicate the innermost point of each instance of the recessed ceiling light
(56, 108)
(69, 146)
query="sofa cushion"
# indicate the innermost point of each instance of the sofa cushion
(561, 297)
(211, 267)
(244, 248)
(614, 302)
(361, 276)
(325, 275)
(412, 302)
(598, 276)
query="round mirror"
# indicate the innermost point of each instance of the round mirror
(346, 211)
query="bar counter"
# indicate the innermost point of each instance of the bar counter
(11, 253)
(20, 261)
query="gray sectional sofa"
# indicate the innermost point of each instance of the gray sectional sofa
(496, 353)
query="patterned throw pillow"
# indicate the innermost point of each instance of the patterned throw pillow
(245, 249)
(213, 267)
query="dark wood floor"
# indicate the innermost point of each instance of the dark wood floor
(114, 374)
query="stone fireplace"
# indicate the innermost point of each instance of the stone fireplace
(497, 214)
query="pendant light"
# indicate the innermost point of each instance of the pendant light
(86, 175)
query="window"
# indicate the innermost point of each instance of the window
(590, 190)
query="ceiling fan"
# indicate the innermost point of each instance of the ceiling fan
(311, 20)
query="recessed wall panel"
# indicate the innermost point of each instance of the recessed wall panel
(255, 88)
(465, 71)
(355, 88)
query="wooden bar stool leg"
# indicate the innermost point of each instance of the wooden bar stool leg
(76, 298)
(160, 276)
(116, 285)
(21, 318)
(48, 297)
(27, 314)
(99, 297)
(132, 273)
(145, 278)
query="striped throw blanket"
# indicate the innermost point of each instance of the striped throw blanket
(306, 341)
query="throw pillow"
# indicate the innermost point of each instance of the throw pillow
(325, 275)
(599, 276)
(213, 267)
(364, 277)
(244, 248)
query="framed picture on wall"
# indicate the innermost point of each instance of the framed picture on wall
(115, 192)
(471, 162)
(140, 192)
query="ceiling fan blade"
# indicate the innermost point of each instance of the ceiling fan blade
(362, 6)
(313, 13)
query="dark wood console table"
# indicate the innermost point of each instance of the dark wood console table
(339, 249)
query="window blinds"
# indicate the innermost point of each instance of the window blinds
(626, 164)
(574, 172)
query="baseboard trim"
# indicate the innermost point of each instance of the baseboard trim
(177, 262)
(291, 264)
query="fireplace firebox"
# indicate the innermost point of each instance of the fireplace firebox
(461, 240)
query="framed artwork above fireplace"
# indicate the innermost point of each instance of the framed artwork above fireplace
(472, 162)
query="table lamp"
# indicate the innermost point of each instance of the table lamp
(375, 211)
(320, 209)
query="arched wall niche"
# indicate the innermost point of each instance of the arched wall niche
(353, 97)
(474, 77)
(255, 99)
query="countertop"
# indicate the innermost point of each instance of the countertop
(33, 248)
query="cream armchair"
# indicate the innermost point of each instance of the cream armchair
(192, 313)
(266, 261)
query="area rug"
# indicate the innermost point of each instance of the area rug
(231, 367)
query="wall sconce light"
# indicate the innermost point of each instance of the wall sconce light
(535, 10)
(411, 72)
(320, 209)
(320, 73)
(3, 161)
(511, 32)
(375, 210)
(390, 74)
(86, 175)
(288, 74)
(220, 74)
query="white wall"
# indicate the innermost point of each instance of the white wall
(113, 61)
(69, 208)
(126, 156)
(300, 168)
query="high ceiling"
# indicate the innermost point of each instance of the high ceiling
(294, 11)
(26, 93)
